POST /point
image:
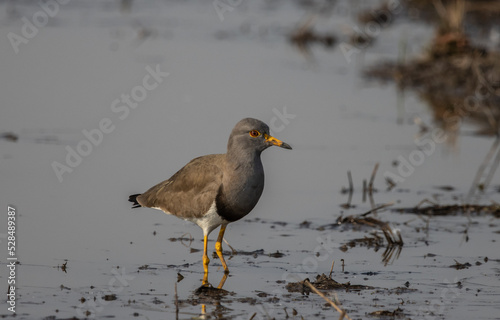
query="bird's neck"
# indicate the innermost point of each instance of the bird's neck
(243, 160)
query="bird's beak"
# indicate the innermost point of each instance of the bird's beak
(273, 141)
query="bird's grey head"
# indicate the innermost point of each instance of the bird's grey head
(252, 135)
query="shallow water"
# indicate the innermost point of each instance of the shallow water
(65, 80)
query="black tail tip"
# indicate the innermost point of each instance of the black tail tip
(133, 198)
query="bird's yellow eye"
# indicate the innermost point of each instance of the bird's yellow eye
(254, 133)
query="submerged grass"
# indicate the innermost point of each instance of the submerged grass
(453, 209)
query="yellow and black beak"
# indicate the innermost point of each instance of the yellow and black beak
(275, 142)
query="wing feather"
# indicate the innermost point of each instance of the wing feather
(190, 192)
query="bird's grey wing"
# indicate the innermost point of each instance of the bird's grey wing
(190, 192)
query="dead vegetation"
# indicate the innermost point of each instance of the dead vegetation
(453, 209)
(459, 79)
(209, 292)
(395, 314)
(393, 240)
(482, 13)
(326, 283)
(323, 282)
(342, 312)
(460, 83)
(460, 266)
(368, 189)
(9, 136)
(304, 37)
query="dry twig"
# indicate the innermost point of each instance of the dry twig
(343, 314)
(331, 270)
(377, 208)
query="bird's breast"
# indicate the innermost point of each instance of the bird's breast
(239, 195)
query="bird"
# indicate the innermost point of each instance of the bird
(215, 190)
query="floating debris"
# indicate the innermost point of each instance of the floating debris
(63, 266)
(304, 36)
(304, 224)
(323, 282)
(157, 301)
(211, 292)
(386, 313)
(277, 254)
(454, 209)
(396, 291)
(109, 297)
(342, 312)
(376, 241)
(180, 277)
(460, 266)
(9, 136)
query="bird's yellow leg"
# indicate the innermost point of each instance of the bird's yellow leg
(222, 281)
(206, 261)
(218, 248)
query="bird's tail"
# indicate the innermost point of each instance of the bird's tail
(133, 198)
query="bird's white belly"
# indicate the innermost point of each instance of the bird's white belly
(210, 220)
